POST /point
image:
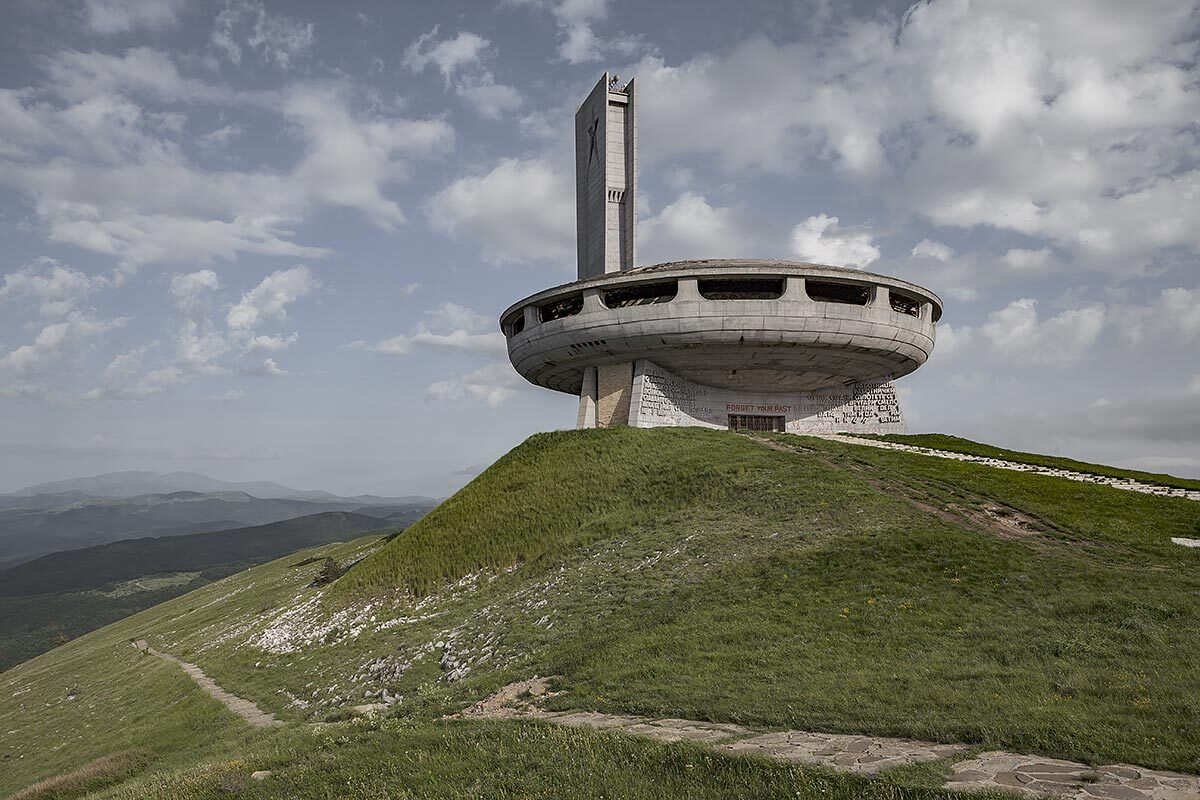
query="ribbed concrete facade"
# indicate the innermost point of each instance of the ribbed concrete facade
(765, 345)
(606, 179)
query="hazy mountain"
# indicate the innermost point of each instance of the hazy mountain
(26, 534)
(57, 597)
(93, 567)
(121, 485)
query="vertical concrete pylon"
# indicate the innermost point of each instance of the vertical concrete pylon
(587, 400)
(606, 179)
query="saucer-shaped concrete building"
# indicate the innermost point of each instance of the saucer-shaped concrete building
(731, 343)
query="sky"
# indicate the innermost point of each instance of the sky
(269, 240)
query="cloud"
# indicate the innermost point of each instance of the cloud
(448, 55)
(199, 346)
(1169, 320)
(122, 16)
(271, 344)
(57, 289)
(192, 295)
(1020, 259)
(1017, 334)
(446, 327)
(270, 298)
(220, 137)
(267, 369)
(927, 248)
(576, 20)
(520, 210)
(66, 328)
(104, 174)
(488, 98)
(276, 38)
(460, 62)
(690, 227)
(1023, 118)
(492, 384)
(820, 240)
(24, 369)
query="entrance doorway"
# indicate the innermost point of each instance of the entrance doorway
(755, 422)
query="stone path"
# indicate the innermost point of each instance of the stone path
(238, 705)
(1031, 776)
(1036, 777)
(1017, 466)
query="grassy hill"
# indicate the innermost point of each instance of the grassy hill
(955, 444)
(55, 598)
(778, 583)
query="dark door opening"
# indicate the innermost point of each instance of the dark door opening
(755, 422)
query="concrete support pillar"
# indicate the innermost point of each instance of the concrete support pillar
(587, 400)
(794, 291)
(532, 317)
(592, 301)
(926, 312)
(614, 387)
(881, 297)
(688, 290)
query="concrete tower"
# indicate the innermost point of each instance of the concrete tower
(606, 179)
(735, 343)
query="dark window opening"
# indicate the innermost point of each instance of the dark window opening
(517, 325)
(566, 307)
(849, 293)
(905, 304)
(644, 294)
(741, 288)
(756, 422)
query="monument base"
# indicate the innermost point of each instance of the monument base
(661, 399)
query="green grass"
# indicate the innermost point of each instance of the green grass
(954, 444)
(555, 493)
(818, 585)
(396, 759)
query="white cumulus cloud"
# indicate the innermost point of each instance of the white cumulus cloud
(819, 239)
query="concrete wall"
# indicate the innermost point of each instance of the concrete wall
(587, 400)
(791, 344)
(614, 387)
(605, 181)
(661, 399)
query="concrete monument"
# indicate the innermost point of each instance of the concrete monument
(738, 343)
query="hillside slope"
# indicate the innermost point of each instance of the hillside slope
(781, 582)
(58, 597)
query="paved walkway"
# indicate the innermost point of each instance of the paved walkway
(1017, 466)
(1031, 776)
(238, 705)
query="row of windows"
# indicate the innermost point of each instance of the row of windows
(644, 294)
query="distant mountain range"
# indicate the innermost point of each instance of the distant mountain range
(84, 512)
(119, 485)
(93, 567)
(56, 597)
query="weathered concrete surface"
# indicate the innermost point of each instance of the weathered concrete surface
(606, 179)
(661, 399)
(1033, 776)
(1017, 466)
(790, 344)
(614, 384)
(238, 705)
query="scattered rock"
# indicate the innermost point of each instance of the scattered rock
(261, 775)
